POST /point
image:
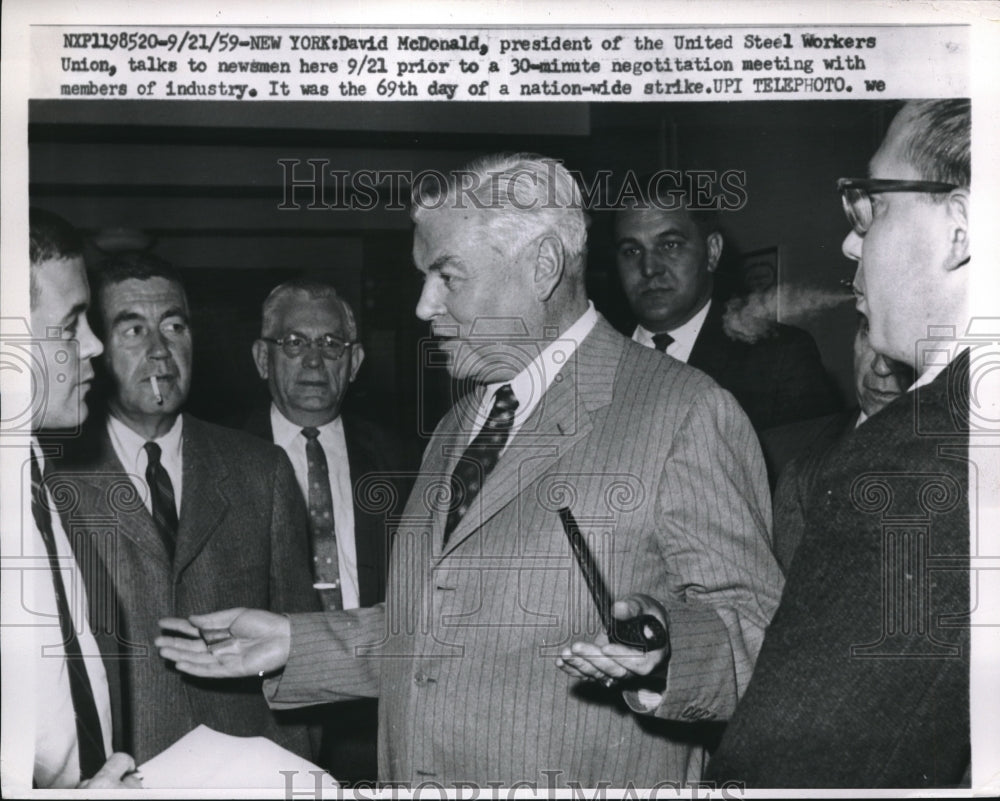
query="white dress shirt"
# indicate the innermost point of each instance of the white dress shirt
(684, 335)
(289, 436)
(57, 761)
(129, 447)
(534, 380)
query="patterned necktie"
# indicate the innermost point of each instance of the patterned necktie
(480, 457)
(662, 341)
(164, 502)
(326, 563)
(90, 741)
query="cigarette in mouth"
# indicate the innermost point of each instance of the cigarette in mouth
(156, 390)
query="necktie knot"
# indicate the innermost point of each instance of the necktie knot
(153, 452)
(662, 341)
(310, 432)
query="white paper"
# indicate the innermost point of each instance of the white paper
(206, 759)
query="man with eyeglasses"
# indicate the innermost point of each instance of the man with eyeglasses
(309, 354)
(863, 678)
(193, 516)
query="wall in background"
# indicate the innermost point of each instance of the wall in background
(205, 182)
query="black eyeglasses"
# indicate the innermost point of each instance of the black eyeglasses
(855, 193)
(294, 345)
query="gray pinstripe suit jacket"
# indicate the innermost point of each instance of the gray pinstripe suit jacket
(665, 477)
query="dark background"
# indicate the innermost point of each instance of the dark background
(203, 181)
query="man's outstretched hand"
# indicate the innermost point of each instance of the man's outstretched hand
(256, 642)
(609, 662)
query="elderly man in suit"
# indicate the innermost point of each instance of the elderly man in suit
(57, 703)
(202, 516)
(352, 473)
(863, 678)
(878, 381)
(667, 255)
(659, 466)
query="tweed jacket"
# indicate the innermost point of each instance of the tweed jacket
(241, 541)
(863, 679)
(664, 475)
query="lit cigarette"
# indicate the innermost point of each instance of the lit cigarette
(156, 390)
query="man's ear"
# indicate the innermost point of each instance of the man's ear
(357, 357)
(260, 358)
(713, 244)
(549, 263)
(958, 228)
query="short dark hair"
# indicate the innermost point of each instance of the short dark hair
(50, 238)
(940, 140)
(652, 193)
(138, 264)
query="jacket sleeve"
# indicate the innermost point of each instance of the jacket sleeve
(714, 520)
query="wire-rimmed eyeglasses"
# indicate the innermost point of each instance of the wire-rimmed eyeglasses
(294, 345)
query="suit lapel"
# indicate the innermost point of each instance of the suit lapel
(557, 424)
(108, 493)
(712, 349)
(203, 504)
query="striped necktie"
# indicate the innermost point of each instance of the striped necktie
(480, 457)
(90, 740)
(164, 502)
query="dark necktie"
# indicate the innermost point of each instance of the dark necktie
(164, 502)
(90, 741)
(480, 457)
(662, 341)
(323, 532)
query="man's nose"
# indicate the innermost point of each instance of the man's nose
(430, 305)
(650, 266)
(158, 345)
(90, 346)
(851, 246)
(881, 367)
(312, 356)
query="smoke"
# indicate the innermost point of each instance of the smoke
(754, 317)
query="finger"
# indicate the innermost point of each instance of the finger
(626, 608)
(132, 781)
(213, 670)
(568, 668)
(111, 772)
(598, 664)
(180, 644)
(188, 657)
(179, 625)
(221, 619)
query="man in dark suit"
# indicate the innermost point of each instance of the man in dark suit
(58, 725)
(659, 465)
(863, 679)
(667, 255)
(309, 354)
(194, 515)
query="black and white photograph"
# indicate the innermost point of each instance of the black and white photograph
(441, 399)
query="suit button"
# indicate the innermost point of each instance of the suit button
(421, 679)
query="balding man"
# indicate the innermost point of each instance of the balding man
(659, 466)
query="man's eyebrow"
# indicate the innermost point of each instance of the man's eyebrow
(175, 311)
(74, 313)
(443, 261)
(126, 317)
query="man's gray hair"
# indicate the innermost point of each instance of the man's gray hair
(315, 290)
(528, 195)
